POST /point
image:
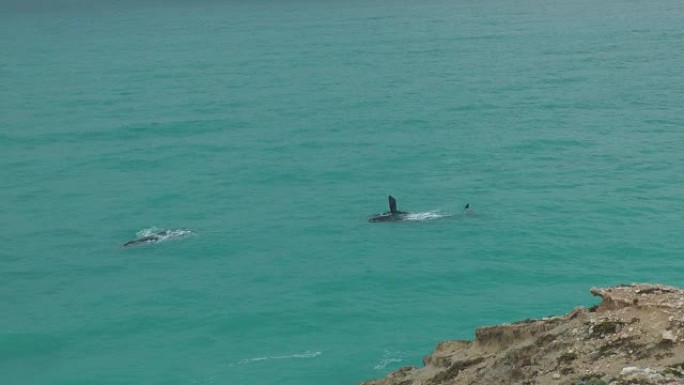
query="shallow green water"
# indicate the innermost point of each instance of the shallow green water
(274, 130)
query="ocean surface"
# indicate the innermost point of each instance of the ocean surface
(273, 129)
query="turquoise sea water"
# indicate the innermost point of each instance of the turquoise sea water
(274, 129)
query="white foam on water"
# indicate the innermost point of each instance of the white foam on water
(163, 235)
(389, 357)
(307, 354)
(425, 216)
(147, 232)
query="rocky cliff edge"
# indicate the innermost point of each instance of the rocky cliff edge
(634, 336)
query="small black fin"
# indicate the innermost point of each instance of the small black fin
(467, 206)
(392, 204)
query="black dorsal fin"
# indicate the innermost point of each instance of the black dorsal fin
(392, 204)
(467, 206)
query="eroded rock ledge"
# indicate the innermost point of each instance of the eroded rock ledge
(634, 336)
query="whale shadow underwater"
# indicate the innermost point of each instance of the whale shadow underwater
(394, 215)
(149, 236)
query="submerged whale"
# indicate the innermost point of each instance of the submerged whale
(157, 236)
(392, 215)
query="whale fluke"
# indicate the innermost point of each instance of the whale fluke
(392, 215)
(392, 204)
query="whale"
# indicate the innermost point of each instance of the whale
(157, 236)
(147, 239)
(389, 216)
(395, 215)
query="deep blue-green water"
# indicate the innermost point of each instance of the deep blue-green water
(274, 129)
